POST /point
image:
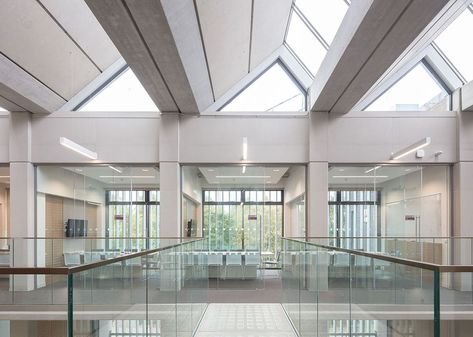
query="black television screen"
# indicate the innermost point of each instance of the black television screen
(76, 228)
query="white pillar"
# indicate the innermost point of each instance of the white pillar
(22, 196)
(317, 206)
(169, 176)
(170, 207)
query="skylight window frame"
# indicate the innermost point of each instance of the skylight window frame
(428, 67)
(446, 58)
(99, 89)
(312, 30)
(288, 73)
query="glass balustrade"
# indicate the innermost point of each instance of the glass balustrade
(394, 287)
(160, 291)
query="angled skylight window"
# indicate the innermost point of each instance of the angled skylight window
(274, 90)
(458, 50)
(305, 45)
(124, 93)
(417, 90)
(325, 16)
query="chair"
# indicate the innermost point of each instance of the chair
(233, 259)
(72, 259)
(252, 260)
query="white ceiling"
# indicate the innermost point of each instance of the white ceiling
(238, 35)
(353, 175)
(232, 175)
(60, 43)
(135, 175)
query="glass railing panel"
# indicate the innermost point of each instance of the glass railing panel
(456, 303)
(110, 297)
(163, 283)
(34, 304)
(33, 327)
(310, 259)
(291, 274)
(192, 292)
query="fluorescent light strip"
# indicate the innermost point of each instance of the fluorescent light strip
(373, 169)
(245, 148)
(66, 142)
(243, 170)
(1, 177)
(128, 177)
(412, 148)
(114, 168)
(243, 177)
(370, 177)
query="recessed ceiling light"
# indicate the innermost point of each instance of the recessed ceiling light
(145, 170)
(78, 170)
(275, 170)
(341, 170)
(407, 170)
(210, 170)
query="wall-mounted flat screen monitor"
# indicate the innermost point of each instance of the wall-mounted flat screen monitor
(75, 228)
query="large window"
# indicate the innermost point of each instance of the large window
(353, 213)
(124, 93)
(417, 90)
(457, 50)
(312, 28)
(274, 90)
(243, 219)
(132, 214)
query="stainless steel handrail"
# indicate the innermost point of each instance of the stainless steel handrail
(88, 266)
(423, 265)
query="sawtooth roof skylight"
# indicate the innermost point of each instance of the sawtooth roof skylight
(418, 90)
(274, 90)
(123, 93)
(312, 27)
(459, 54)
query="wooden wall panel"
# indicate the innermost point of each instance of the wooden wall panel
(54, 228)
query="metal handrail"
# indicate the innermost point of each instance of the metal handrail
(423, 265)
(87, 266)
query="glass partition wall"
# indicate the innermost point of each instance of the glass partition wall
(243, 207)
(95, 210)
(411, 202)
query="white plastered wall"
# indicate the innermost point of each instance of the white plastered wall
(358, 137)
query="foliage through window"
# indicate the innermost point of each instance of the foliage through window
(248, 220)
(353, 213)
(132, 214)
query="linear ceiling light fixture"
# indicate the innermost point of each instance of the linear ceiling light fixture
(66, 142)
(243, 177)
(243, 169)
(348, 177)
(114, 168)
(373, 169)
(411, 148)
(129, 177)
(1, 177)
(245, 149)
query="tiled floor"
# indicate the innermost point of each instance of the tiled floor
(245, 320)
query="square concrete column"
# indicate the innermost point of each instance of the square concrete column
(317, 205)
(22, 197)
